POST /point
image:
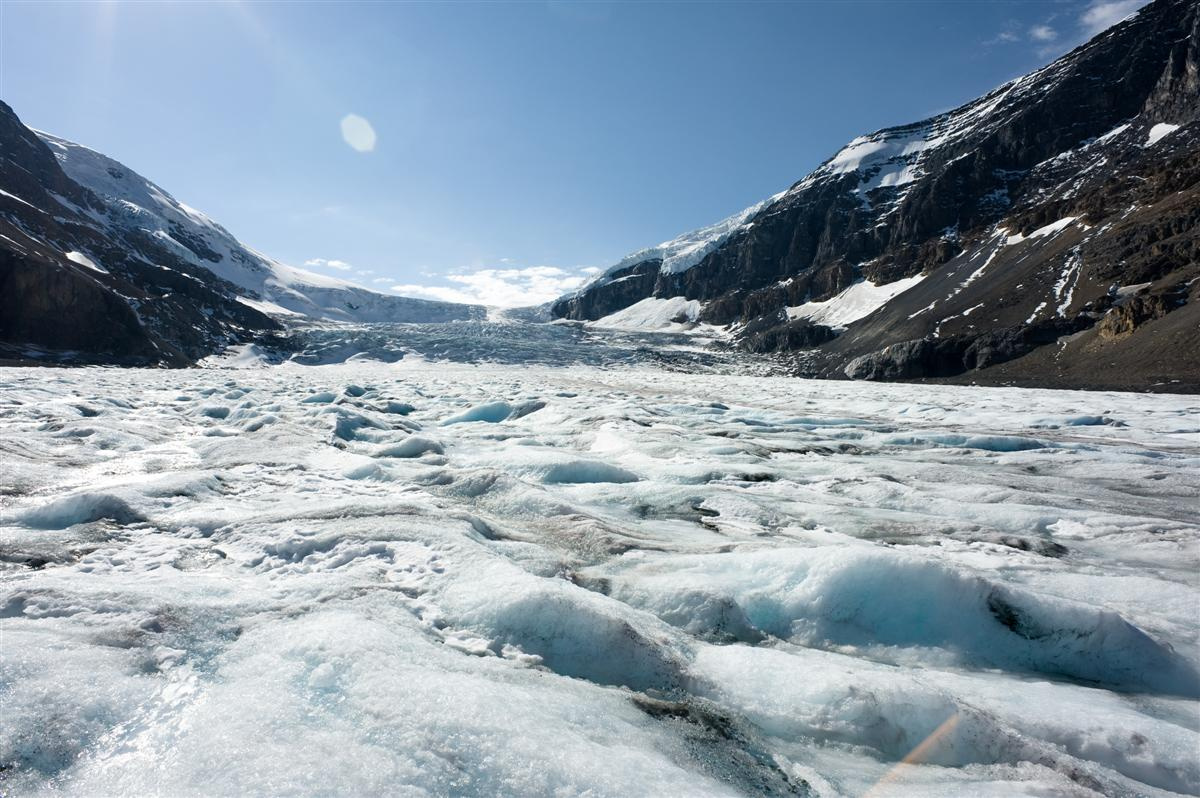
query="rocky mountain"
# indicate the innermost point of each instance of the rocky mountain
(98, 264)
(1045, 233)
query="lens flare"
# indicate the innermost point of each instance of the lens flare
(358, 133)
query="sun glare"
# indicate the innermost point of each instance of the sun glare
(358, 133)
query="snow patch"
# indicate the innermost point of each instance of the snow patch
(652, 313)
(86, 262)
(856, 302)
(1159, 132)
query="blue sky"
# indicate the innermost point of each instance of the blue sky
(513, 147)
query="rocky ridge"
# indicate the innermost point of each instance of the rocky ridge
(1053, 223)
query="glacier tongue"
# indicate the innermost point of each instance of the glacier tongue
(477, 579)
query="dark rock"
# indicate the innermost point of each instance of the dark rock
(785, 335)
(943, 357)
(620, 290)
(1124, 320)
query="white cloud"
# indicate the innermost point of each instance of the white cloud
(1004, 37)
(507, 288)
(1043, 33)
(358, 133)
(1103, 14)
(322, 263)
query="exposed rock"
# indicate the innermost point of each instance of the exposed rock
(775, 335)
(624, 288)
(53, 306)
(943, 357)
(1124, 320)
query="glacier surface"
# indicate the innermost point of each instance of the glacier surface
(432, 577)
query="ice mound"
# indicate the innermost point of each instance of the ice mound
(574, 632)
(878, 599)
(582, 471)
(70, 698)
(990, 443)
(322, 398)
(412, 446)
(356, 706)
(495, 412)
(81, 508)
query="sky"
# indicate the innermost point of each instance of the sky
(499, 152)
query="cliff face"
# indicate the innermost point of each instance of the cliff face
(1030, 213)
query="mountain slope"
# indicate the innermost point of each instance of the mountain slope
(98, 264)
(74, 289)
(139, 205)
(1062, 203)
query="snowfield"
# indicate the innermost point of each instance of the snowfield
(423, 577)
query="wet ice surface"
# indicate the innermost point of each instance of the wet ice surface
(441, 578)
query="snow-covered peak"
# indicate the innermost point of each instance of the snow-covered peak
(113, 180)
(889, 158)
(685, 251)
(895, 157)
(136, 203)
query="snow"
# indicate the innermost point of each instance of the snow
(270, 308)
(1053, 228)
(685, 251)
(1033, 316)
(1114, 133)
(1122, 294)
(1046, 231)
(135, 202)
(856, 302)
(1159, 132)
(1064, 287)
(430, 577)
(86, 262)
(895, 157)
(18, 199)
(652, 313)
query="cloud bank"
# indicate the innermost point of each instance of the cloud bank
(323, 263)
(506, 288)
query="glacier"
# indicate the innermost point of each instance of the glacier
(448, 571)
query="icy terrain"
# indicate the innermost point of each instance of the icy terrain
(426, 577)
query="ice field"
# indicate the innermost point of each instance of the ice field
(425, 577)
